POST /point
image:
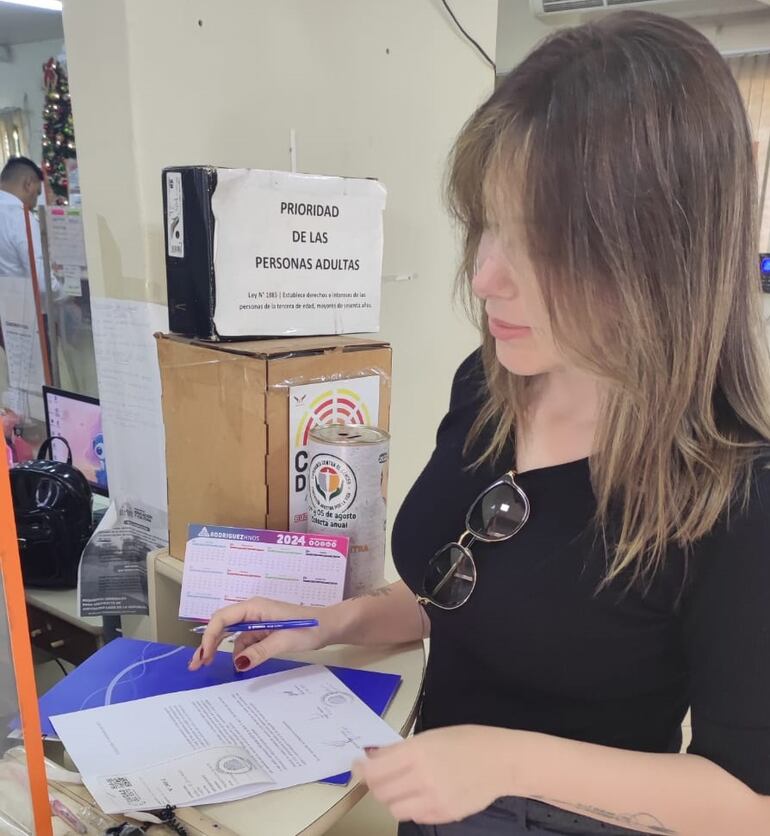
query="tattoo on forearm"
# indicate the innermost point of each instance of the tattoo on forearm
(375, 593)
(643, 822)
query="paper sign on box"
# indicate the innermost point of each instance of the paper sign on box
(272, 253)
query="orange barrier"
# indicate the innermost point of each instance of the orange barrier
(21, 653)
(38, 303)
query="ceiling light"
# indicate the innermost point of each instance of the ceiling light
(50, 5)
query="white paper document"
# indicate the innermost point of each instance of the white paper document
(66, 247)
(296, 254)
(130, 395)
(18, 320)
(112, 574)
(66, 244)
(221, 743)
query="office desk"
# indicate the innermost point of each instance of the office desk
(310, 809)
(313, 808)
(56, 627)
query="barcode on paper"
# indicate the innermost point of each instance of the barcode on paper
(125, 787)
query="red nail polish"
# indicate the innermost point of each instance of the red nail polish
(242, 662)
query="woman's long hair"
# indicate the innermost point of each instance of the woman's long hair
(625, 147)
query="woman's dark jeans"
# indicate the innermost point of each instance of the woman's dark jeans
(512, 816)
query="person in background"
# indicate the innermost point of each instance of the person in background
(21, 183)
(588, 547)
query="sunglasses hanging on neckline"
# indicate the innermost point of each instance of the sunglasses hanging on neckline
(496, 515)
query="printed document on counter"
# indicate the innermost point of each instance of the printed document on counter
(221, 743)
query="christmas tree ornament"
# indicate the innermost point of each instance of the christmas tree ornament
(58, 142)
(50, 74)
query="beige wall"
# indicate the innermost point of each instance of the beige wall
(372, 87)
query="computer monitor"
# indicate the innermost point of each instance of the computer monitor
(78, 419)
(764, 271)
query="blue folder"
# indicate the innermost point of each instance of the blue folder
(128, 669)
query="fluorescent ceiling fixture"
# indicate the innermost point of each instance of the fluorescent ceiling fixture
(50, 5)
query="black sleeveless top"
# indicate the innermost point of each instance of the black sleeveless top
(537, 647)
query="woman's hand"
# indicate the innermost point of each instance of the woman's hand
(438, 776)
(254, 648)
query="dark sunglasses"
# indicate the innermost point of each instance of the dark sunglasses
(497, 514)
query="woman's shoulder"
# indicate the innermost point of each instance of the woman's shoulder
(751, 498)
(467, 397)
(740, 540)
(469, 382)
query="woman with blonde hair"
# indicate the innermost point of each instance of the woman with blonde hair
(588, 547)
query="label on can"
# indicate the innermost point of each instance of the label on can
(334, 486)
(347, 480)
(313, 405)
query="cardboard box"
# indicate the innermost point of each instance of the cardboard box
(263, 253)
(228, 409)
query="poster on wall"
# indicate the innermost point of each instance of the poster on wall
(351, 401)
(129, 393)
(66, 248)
(22, 343)
(21, 391)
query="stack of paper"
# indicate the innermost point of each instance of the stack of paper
(221, 743)
(126, 671)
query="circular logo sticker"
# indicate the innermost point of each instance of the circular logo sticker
(332, 483)
(337, 698)
(234, 765)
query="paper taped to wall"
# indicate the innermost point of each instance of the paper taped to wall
(19, 324)
(129, 390)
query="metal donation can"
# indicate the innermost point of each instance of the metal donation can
(347, 483)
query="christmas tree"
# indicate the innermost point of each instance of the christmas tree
(58, 129)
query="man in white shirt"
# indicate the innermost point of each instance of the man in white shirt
(21, 182)
(20, 186)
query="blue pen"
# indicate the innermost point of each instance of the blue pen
(251, 626)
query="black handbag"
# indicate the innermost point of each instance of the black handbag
(52, 504)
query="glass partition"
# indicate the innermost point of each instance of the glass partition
(61, 310)
(24, 798)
